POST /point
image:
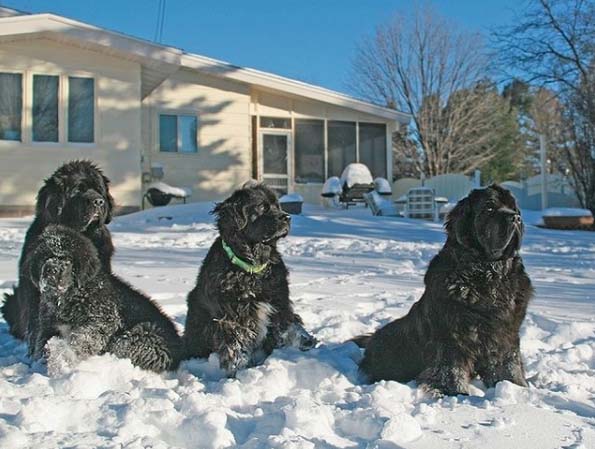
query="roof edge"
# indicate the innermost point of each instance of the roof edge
(172, 55)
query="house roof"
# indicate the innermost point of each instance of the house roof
(160, 61)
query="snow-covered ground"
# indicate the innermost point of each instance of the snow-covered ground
(350, 273)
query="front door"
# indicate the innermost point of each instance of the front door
(275, 161)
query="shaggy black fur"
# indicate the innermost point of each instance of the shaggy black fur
(467, 321)
(76, 195)
(239, 315)
(93, 310)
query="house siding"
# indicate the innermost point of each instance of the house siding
(224, 158)
(24, 165)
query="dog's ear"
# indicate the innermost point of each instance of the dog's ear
(50, 201)
(231, 214)
(111, 204)
(459, 223)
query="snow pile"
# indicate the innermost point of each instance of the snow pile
(382, 185)
(178, 192)
(356, 174)
(332, 186)
(292, 198)
(350, 274)
(566, 212)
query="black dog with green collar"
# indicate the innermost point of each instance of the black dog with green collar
(240, 306)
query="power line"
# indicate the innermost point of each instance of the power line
(160, 21)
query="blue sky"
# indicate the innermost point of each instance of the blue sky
(309, 40)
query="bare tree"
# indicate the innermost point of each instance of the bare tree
(431, 69)
(553, 44)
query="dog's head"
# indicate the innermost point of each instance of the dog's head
(488, 220)
(252, 215)
(76, 195)
(63, 259)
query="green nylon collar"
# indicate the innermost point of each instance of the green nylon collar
(248, 267)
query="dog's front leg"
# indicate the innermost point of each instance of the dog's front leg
(449, 373)
(504, 364)
(283, 333)
(88, 339)
(233, 342)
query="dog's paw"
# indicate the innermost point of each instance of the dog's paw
(56, 277)
(233, 361)
(60, 357)
(298, 337)
(444, 381)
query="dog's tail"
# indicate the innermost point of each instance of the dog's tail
(10, 312)
(362, 340)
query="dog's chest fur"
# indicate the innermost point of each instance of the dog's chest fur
(485, 285)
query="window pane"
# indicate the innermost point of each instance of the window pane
(168, 133)
(188, 126)
(81, 109)
(309, 151)
(372, 148)
(274, 154)
(11, 105)
(45, 108)
(341, 146)
(275, 122)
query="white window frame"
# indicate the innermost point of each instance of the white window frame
(177, 113)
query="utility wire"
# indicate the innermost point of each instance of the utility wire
(160, 21)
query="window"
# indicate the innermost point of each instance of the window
(45, 108)
(309, 151)
(11, 105)
(372, 148)
(177, 133)
(341, 146)
(81, 110)
(275, 122)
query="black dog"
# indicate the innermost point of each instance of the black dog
(467, 321)
(240, 306)
(76, 195)
(91, 309)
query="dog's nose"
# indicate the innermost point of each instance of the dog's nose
(286, 217)
(99, 202)
(515, 218)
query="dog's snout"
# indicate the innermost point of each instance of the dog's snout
(98, 202)
(514, 218)
(286, 217)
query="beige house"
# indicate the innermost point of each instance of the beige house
(70, 90)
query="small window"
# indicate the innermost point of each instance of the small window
(81, 110)
(45, 108)
(275, 122)
(11, 105)
(178, 133)
(309, 151)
